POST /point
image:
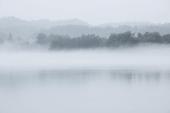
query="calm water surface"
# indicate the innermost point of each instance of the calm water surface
(85, 91)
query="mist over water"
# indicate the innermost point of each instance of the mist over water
(142, 57)
(84, 56)
(123, 80)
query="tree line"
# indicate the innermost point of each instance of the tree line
(93, 41)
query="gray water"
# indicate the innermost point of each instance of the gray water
(121, 81)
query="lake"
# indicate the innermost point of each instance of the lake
(119, 81)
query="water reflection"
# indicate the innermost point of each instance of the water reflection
(145, 76)
(12, 79)
(85, 91)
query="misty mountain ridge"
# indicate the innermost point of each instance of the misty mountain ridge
(73, 27)
(42, 23)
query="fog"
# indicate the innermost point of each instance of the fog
(92, 11)
(151, 57)
(102, 71)
(84, 56)
(122, 80)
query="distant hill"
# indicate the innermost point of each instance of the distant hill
(74, 27)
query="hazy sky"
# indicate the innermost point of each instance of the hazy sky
(92, 11)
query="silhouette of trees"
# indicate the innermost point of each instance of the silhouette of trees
(84, 41)
(150, 37)
(126, 38)
(94, 41)
(58, 42)
(42, 39)
(88, 41)
(166, 38)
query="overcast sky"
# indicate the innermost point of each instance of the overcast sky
(92, 11)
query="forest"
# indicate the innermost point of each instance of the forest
(87, 41)
(125, 39)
